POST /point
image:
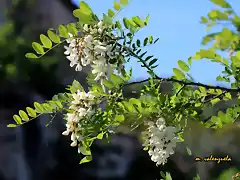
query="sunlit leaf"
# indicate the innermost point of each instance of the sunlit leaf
(53, 36)
(183, 66)
(86, 159)
(179, 74)
(31, 56)
(31, 112)
(23, 115)
(47, 43)
(117, 6)
(38, 48)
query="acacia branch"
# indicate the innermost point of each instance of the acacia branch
(185, 83)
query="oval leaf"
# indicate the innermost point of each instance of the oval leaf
(124, 2)
(38, 107)
(72, 29)
(179, 74)
(110, 13)
(117, 6)
(63, 32)
(47, 43)
(152, 61)
(17, 119)
(23, 115)
(85, 151)
(53, 36)
(31, 112)
(183, 66)
(11, 125)
(31, 56)
(38, 48)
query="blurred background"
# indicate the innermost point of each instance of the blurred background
(37, 152)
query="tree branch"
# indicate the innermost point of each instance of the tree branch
(198, 84)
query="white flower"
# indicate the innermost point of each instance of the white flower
(68, 50)
(74, 144)
(70, 37)
(72, 117)
(78, 67)
(85, 27)
(65, 133)
(161, 140)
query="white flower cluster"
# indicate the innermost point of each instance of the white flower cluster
(161, 141)
(81, 107)
(90, 49)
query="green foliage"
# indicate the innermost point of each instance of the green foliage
(184, 103)
(228, 174)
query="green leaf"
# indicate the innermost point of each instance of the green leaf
(54, 37)
(100, 135)
(214, 101)
(39, 108)
(108, 84)
(145, 41)
(107, 19)
(117, 6)
(31, 112)
(38, 48)
(47, 43)
(72, 29)
(179, 74)
(63, 32)
(85, 7)
(76, 86)
(119, 118)
(190, 61)
(183, 66)
(31, 56)
(147, 19)
(116, 79)
(111, 13)
(17, 119)
(138, 21)
(152, 61)
(162, 174)
(150, 39)
(11, 125)
(85, 151)
(228, 174)
(168, 176)
(204, 20)
(138, 43)
(85, 13)
(124, 2)
(228, 96)
(47, 108)
(147, 58)
(221, 3)
(118, 25)
(86, 159)
(23, 115)
(238, 55)
(235, 61)
(126, 23)
(206, 54)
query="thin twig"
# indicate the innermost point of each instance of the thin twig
(198, 84)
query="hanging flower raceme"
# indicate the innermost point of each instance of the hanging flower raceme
(93, 48)
(80, 107)
(161, 140)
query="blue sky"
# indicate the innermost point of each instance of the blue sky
(177, 25)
